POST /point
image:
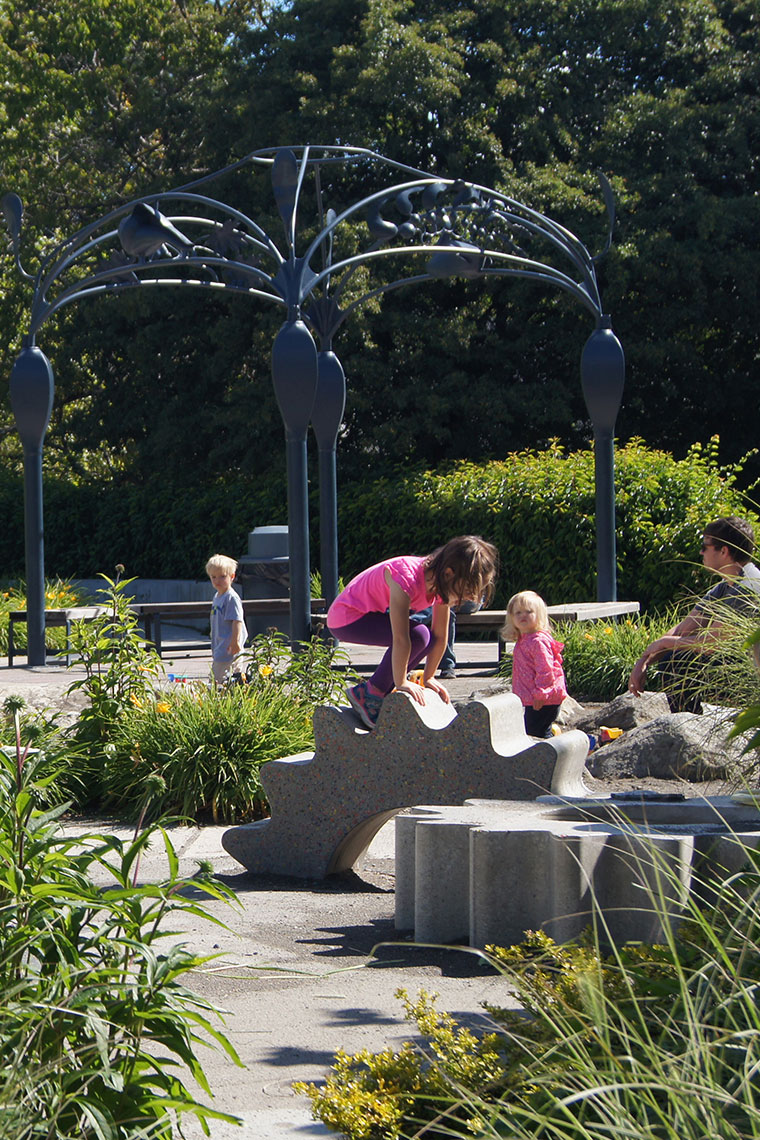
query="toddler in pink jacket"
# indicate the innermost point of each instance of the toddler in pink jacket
(538, 678)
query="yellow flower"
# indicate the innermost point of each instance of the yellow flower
(135, 701)
(589, 636)
(265, 670)
(163, 707)
(608, 630)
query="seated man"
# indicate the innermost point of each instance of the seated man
(727, 547)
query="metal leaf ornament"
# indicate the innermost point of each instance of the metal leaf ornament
(284, 183)
(146, 231)
(13, 211)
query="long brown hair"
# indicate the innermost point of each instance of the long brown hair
(475, 565)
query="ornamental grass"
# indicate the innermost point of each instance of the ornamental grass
(201, 750)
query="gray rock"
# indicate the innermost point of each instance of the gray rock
(680, 745)
(626, 711)
(570, 713)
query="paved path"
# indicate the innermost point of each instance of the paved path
(293, 971)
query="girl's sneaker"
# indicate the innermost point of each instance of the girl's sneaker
(366, 704)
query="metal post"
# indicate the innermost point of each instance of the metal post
(602, 379)
(31, 390)
(294, 376)
(326, 419)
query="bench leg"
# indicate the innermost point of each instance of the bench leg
(11, 643)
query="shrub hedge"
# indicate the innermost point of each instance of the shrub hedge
(537, 506)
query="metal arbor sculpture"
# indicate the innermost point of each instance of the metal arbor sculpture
(186, 238)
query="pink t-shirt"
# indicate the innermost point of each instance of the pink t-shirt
(537, 668)
(369, 592)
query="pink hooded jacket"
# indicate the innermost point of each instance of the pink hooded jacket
(537, 668)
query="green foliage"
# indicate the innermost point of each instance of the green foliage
(370, 1096)
(724, 671)
(198, 751)
(598, 655)
(96, 1027)
(105, 102)
(314, 672)
(60, 764)
(749, 718)
(120, 667)
(656, 1041)
(538, 508)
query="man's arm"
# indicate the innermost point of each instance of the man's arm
(690, 633)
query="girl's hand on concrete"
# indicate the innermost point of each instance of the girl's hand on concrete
(416, 692)
(438, 688)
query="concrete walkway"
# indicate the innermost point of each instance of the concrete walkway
(295, 972)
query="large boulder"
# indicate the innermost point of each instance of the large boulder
(680, 745)
(626, 711)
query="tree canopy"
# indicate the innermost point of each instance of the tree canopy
(104, 102)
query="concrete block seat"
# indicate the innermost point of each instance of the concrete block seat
(486, 873)
(327, 805)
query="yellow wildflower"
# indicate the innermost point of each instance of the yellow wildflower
(589, 636)
(608, 630)
(265, 670)
(135, 701)
(163, 707)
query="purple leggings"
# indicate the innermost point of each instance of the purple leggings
(375, 629)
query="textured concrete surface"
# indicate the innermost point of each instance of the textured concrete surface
(328, 804)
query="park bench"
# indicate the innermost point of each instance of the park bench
(492, 621)
(61, 618)
(152, 616)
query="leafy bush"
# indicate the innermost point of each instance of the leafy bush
(598, 655)
(205, 746)
(201, 750)
(656, 1041)
(120, 667)
(59, 764)
(309, 674)
(96, 1027)
(538, 508)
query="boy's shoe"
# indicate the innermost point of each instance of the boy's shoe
(447, 674)
(366, 704)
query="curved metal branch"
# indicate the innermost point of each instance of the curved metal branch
(103, 282)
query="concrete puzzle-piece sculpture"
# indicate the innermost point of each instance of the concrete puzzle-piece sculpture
(327, 805)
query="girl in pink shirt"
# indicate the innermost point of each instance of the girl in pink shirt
(537, 675)
(375, 606)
